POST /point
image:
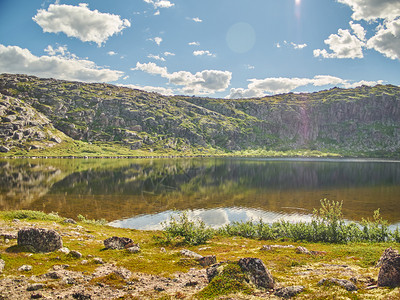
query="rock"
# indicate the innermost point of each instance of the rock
(98, 260)
(41, 240)
(55, 139)
(36, 296)
(84, 262)
(4, 149)
(213, 271)
(75, 254)
(208, 260)
(302, 250)
(257, 272)
(191, 254)
(25, 268)
(53, 275)
(69, 221)
(81, 296)
(133, 249)
(389, 274)
(289, 292)
(266, 248)
(2, 265)
(346, 284)
(117, 242)
(64, 250)
(35, 287)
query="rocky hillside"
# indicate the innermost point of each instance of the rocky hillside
(348, 121)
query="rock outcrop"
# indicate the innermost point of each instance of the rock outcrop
(258, 273)
(117, 243)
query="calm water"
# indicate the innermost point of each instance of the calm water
(143, 193)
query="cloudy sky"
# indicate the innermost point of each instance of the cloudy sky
(217, 48)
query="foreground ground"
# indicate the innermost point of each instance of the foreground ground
(160, 271)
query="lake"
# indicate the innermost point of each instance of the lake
(141, 193)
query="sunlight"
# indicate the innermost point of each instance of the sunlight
(298, 2)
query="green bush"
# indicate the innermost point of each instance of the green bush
(92, 222)
(31, 215)
(183, 230)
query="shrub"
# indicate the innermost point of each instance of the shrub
(31, 215)
(192, 232)
(92, 222)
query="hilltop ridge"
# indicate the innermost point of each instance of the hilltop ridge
(363, 121)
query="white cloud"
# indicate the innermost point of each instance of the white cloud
(358, 30)
(387, 39)
(61, 50)
(277, 85)
(298, 46)
(250, 67)
(169, 53)
(203, 52)
(197, 20)
(156, 57)
(343, 45)
(156, 89)
(80, 22)
(204, 82)
(14, 59)
(160, 3)
(157, 13)
(278, 45)
(370, 10)
(157, 40)
(194, 44)
(112, 53)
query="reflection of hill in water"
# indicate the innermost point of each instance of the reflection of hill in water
(126, 188)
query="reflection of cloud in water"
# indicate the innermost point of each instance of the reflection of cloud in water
(211, 217)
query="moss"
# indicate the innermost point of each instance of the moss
(231, 281)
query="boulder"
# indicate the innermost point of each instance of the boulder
(389, 274)
(208, 260)
(302, 250)
(117, 243)
(289, 292)
(25, 268)
(257, 272)
(40, 239)
(213, 271)
(191, 254)
(75, 254)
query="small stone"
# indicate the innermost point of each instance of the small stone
(302, 250)
(289, 292)
(159, 288)
(191, 254)
(346, 284)
(53, 275)
(35, 287)
(6, 241)
(25, 268)
(64, 250)
(162, 249)
(36, 296)
(2, 265)
(134, 249)
(98, 260)
(69, 221)
(84, 262)
(16, 221)
(266, 248)
(75, 254)
(81, 296)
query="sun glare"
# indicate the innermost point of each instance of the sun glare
(298, 2)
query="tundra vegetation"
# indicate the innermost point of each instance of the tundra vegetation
(338, 249)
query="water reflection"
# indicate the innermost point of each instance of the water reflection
(214, 218)
(215, 189)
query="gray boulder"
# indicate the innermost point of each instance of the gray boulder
(40, 239)
(389, 274)
(117, 243)
(257, 272)
(346, 284)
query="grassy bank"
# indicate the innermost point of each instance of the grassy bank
(160, 256)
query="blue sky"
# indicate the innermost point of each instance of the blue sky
(216, 48)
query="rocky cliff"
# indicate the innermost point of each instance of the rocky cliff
(346, 121)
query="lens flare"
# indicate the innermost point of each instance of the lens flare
(298, 2)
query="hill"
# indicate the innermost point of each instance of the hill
(40, 113)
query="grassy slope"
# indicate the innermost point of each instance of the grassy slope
(287, 267)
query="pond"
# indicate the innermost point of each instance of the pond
(142, 193)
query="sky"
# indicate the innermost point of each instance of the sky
(214, 48)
